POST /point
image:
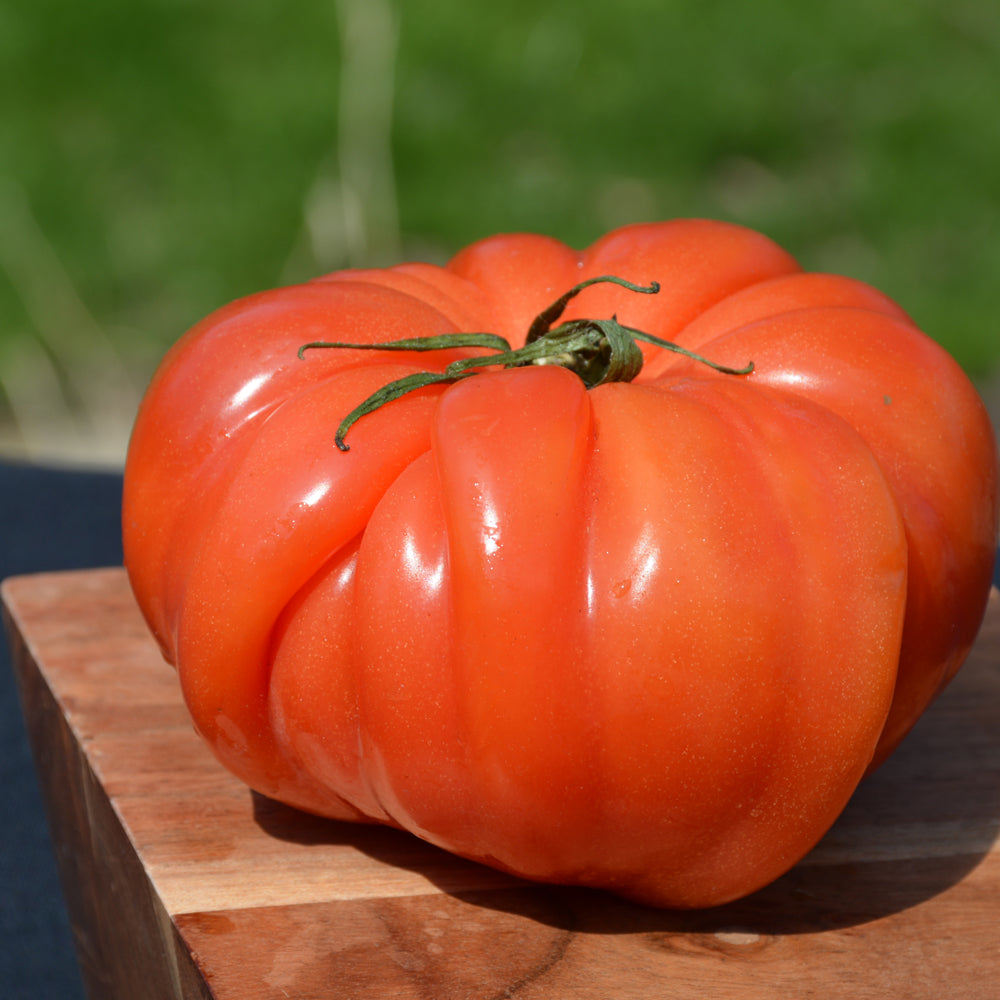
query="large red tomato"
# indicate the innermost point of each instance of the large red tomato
(647, 635)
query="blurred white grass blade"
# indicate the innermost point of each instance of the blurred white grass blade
(349, 214)
(93, 380)
(369, 34)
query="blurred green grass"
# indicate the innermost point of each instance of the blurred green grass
(162, 157)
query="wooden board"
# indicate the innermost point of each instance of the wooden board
(181, 883)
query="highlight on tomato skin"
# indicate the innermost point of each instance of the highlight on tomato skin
(619, 567)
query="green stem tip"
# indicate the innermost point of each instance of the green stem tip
(598, 351)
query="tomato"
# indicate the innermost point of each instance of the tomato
(646, 633)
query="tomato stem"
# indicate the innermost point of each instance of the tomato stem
(597, 350)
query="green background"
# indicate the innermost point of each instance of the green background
(159, 158)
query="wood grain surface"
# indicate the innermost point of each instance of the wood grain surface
(182, 883)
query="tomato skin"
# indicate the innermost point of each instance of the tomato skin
(647, 637)
(500, 724)
(912, 404)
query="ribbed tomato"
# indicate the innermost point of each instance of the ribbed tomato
(644, 631)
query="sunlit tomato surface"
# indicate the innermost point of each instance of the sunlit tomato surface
(647, 636)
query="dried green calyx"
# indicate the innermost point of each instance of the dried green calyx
(597, 350)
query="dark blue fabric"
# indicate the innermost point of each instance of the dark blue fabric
(50, 519)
